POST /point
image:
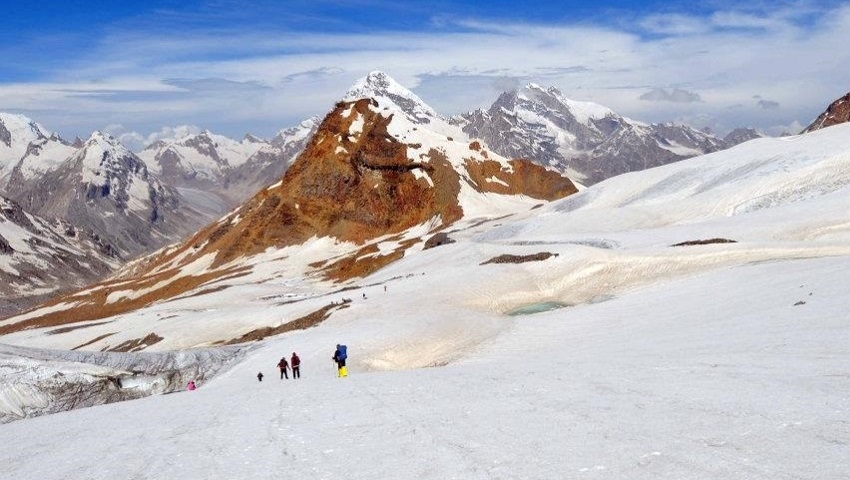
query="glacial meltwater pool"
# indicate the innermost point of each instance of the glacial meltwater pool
(537, 308)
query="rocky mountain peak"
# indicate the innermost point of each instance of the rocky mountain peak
(16, 133)
(391, 95)
(366, 174)
(837, 112)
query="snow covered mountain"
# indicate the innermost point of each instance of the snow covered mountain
(16, 134)
(268, 163)
(107, 189)
(836, 113)
(585, 140)
(199, 159)
(686, 321)
(215, 173)
(387, 91)
(368, 173)
(40, 257)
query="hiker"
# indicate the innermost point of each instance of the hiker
(364, 296)
(191, 385)
(296, 366)
(339, 357)
(260, 376)
(283, 366)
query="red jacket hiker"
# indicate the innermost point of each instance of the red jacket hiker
(283, 365)
(296, 366)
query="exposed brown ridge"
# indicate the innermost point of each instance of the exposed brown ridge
(837, 112)
(354, 184)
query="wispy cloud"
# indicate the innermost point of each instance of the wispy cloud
(651, 68)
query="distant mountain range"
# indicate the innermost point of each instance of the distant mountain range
(382, 168)
(585, 140)
(137, 203)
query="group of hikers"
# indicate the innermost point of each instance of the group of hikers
(339, 357)
(295, 363)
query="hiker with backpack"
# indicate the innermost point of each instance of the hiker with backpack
(339, 357)
(296, 366)
(283, 366)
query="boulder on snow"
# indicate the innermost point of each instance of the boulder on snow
(437, 240)
(508, 258)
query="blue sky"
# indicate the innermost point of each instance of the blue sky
(144, 70)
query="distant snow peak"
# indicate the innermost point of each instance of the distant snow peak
(16, 133)
(582, 139)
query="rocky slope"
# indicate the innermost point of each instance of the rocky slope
(583, 139)
(377, 178)
(837, 112)
(39, 257)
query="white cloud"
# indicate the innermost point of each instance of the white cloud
(135, 141)
(270, 80)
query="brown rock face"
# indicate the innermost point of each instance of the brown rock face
(837, 112)
(354, 181)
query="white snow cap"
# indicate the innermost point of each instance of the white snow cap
(379, 85)
(16, 133)
(583, 111)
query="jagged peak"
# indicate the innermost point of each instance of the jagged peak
(99, 136)
(383, 88)
(99, 145)
(21, 125)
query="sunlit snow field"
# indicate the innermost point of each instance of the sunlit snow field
(713, 361)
